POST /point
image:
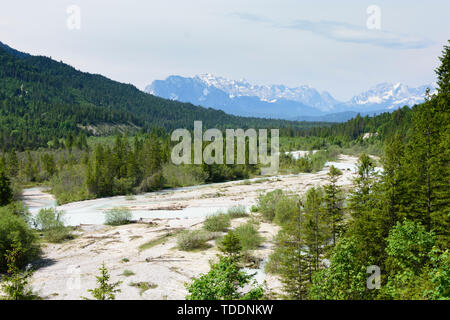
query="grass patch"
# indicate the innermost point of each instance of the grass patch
(195, 239)
(128, 273)
(157, 241)
(143, 286)
(237, 212)
(217, 223)
(248, 236)
(118, 216)
(125, 260)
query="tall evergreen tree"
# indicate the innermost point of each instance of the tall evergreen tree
(333, 203)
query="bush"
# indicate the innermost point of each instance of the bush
(195, 239)
(50, 222)
(285, 209)
(237, 212)
(70, 185)
(230, 244)
(152, 183)
(268, 202)
(248, 235)
(217, 223)
(6, 191)
(118, 216)
(183, 175)
(17, 208)
(225, 281)
(13, 230)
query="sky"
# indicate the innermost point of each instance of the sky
(343, 47)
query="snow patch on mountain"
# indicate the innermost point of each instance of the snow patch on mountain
(243, 98)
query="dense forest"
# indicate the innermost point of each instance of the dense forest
(42, 99)
(393, 226)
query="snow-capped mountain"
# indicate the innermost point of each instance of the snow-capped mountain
(388, 96)
(239, 97)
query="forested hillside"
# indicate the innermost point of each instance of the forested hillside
(41, 99)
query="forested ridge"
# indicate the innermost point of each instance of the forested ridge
(41, 99)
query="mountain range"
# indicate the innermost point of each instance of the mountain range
(304, 103)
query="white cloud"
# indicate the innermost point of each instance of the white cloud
(346, 32)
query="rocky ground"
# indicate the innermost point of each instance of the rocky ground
(67, 270)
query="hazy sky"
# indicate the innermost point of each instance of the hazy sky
(325, 44)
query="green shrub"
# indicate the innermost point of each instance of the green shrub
(70, 185)
(19, 209)
(128, 273)
(143, 286)
(14, 230)
(285, 209)
(6, 191)
(105, 290)
(268, 202)
(195, 239)
(118, 216)
(230, 244)
(183, 175)
(50, 222)
(152, 183)
(237, 212)
(217, 223)
(225, 281)
(248, 235)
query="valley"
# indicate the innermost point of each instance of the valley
(68, 269)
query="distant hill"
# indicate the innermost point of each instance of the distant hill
(41, 99)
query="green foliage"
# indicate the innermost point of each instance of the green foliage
(15, 284)
(183, 175)
(289, 259)
(47, 103)
(231, 245)
(237, 212)
(194, 239)
(248, 236)
(13, 231)
(345, 278)
(50, 221)
(285, 209)
(267, 203)
(224, 281)
(6, 192)
(333, 201)
(128, 273)
(408, 248)
(143, 286)
(118, 216)
(105, 289)
(217, 222)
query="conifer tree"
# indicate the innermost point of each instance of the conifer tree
(333, 203)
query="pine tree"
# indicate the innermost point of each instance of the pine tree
(294, 267)
(6, 193)
(333, 203)
(105, 290)
(315, 230)
(427, 157)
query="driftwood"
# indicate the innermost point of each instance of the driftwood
(163, 259)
